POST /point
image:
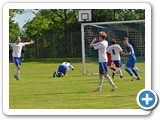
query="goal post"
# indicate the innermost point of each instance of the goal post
(134, 30)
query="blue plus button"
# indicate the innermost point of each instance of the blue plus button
(147, 99)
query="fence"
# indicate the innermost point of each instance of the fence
(55, 46)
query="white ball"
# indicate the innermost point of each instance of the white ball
(136, 69)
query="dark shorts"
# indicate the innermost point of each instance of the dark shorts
(22, 50)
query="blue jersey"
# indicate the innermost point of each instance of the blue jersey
(129, 48)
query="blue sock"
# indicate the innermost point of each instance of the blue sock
(129, 71)
(135, 72)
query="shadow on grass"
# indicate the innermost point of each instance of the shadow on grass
(52, 60)
(59, 93)
(119, 95)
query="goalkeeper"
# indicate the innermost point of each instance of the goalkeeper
(62, 69)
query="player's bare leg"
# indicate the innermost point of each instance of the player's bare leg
(22, 56)
(112, 66)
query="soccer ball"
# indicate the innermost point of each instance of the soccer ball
(136, 69)
(92, 73)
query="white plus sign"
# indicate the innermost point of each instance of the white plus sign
(147, 99)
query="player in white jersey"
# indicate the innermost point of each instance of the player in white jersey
(103, 61)
(115, 51)
(62, 69)
(16, 54)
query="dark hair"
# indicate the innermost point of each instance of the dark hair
(113, 41)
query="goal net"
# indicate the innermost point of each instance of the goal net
(134, 30)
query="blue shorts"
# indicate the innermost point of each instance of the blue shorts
(17, 61)
(103, 67)
(118, 63)
(62, 68)
(130, 63)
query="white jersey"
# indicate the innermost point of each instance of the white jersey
(115, 50)
(68, 65)
(101, 47)
(17, 48)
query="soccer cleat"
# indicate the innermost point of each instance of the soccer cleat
(113, 89)
(133, 78)
(138, 78)
(113, 74)
(97, 90)
(121, 76)
(62, 75)
(54, 74)
(58, 74)
(17, 78)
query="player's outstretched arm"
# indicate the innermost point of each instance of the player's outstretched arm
(71, 67)
(31, 42)
(93, 41)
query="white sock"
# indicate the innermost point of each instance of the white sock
(18, 72)
(100, 83)
(120, 72)
(110, 81)
(116, 71)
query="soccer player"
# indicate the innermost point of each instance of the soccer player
(17, 47)
(103, 60)
(10, 53)
(110, 62)
(115, 51)
(62, 69)
(22, 52)
(131, 60)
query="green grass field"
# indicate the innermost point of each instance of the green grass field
(37, 89)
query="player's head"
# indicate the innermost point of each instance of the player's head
(102, 35)
(18, 39)
(113, 41)
(125, 40)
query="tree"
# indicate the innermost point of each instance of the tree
(14, 29)
(62, 22)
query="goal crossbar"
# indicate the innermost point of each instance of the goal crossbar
(114, 22)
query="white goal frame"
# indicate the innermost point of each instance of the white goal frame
(95, 24)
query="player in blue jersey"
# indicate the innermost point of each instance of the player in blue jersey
(131, 60)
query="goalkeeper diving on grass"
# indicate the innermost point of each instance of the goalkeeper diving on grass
(62, 69)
